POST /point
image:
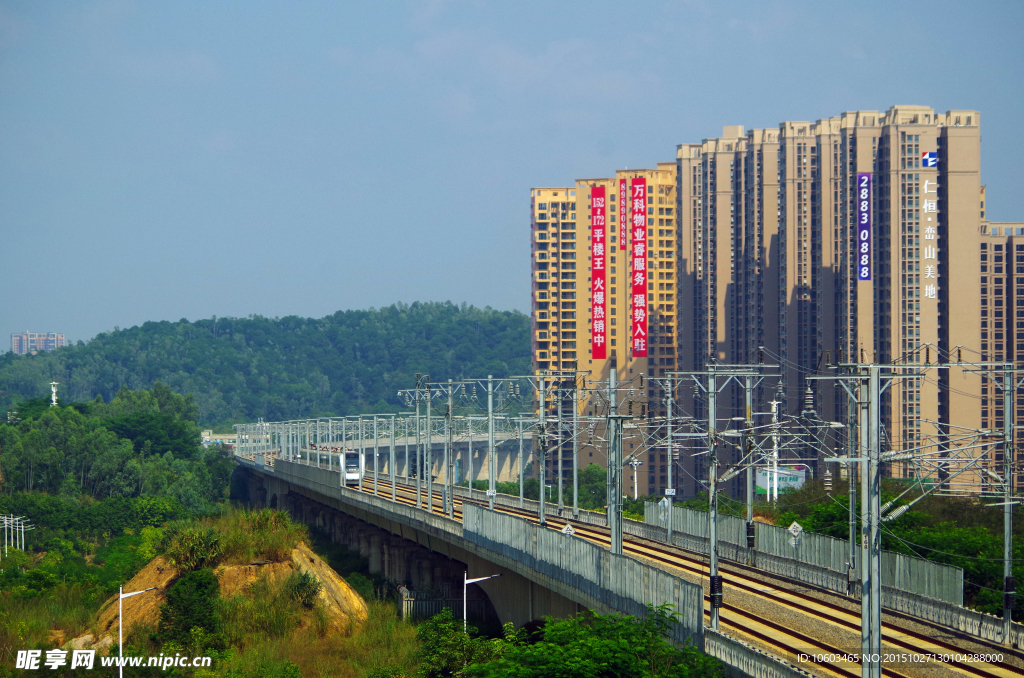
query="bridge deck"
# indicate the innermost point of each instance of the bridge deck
(785, 618)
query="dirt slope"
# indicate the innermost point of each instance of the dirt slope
(345, 608)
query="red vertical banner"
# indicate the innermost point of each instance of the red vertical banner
(598, 278)
(623, 211)
(638, 224)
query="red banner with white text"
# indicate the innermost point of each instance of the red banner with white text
(598, 306)
(638, 225)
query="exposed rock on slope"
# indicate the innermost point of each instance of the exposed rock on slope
(345, 608)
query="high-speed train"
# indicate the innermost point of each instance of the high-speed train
(354, 467)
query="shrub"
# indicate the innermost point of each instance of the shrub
(191, 603)
(361, 584)
(303, 587)
(193, 547)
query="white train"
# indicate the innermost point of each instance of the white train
(354, 467)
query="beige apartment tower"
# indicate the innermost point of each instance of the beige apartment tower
(859, 237)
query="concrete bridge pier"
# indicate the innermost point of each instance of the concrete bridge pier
(414, 559)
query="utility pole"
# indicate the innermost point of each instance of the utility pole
(559, 394)
(522, 464)
(391, 458)
(362, 454)
(1009, 590)
(542, 454)
(376, 454)
(614, 431)
(745, 447)
(728, 373)
(419, 450)
(449, 454)
(852, 468)
(715, 580)
(575, 446)
(469, 456)
(429, 467)
(491, 461)
(670, 492)
(872, 532)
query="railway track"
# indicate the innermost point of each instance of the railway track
(782, 640)
(772, 635)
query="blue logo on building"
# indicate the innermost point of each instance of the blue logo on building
(929, 159)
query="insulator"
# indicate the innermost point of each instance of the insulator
(641, 381)
(631, 408)
(716, 591)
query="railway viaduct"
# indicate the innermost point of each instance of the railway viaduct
(548, 572)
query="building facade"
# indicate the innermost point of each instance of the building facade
(855, 238)
(33, 342)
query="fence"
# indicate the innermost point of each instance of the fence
(414, 607)
(817, 559)
(589, 517)
(617, 582)
(749, 661)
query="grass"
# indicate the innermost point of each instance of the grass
(270, 633)
(234, 537)
(263, 645)
(265, 611)
(26, 622)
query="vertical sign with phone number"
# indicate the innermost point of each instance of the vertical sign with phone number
(864, 226)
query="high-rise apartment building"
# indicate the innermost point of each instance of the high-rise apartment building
(856, 237)
(590, 309)
(33, 342)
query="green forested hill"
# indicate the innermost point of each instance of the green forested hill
(242, 368)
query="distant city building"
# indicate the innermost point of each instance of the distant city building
(33, 342)
(857, 237)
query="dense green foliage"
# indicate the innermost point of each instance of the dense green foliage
(957, 531)
(287, 368)
(585, 646)
(88, 521)
(141, 443)
(191, 603)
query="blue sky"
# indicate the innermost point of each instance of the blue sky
(161, 160)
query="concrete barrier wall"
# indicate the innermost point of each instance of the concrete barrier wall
(619, 582)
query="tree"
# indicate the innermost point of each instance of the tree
(447, 648)
(599, 646)
(191, 603)
(282, 368)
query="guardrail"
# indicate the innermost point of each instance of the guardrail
(910, 585)
(749, 660)
(900, 570)
(618, 582)
(817, 559)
